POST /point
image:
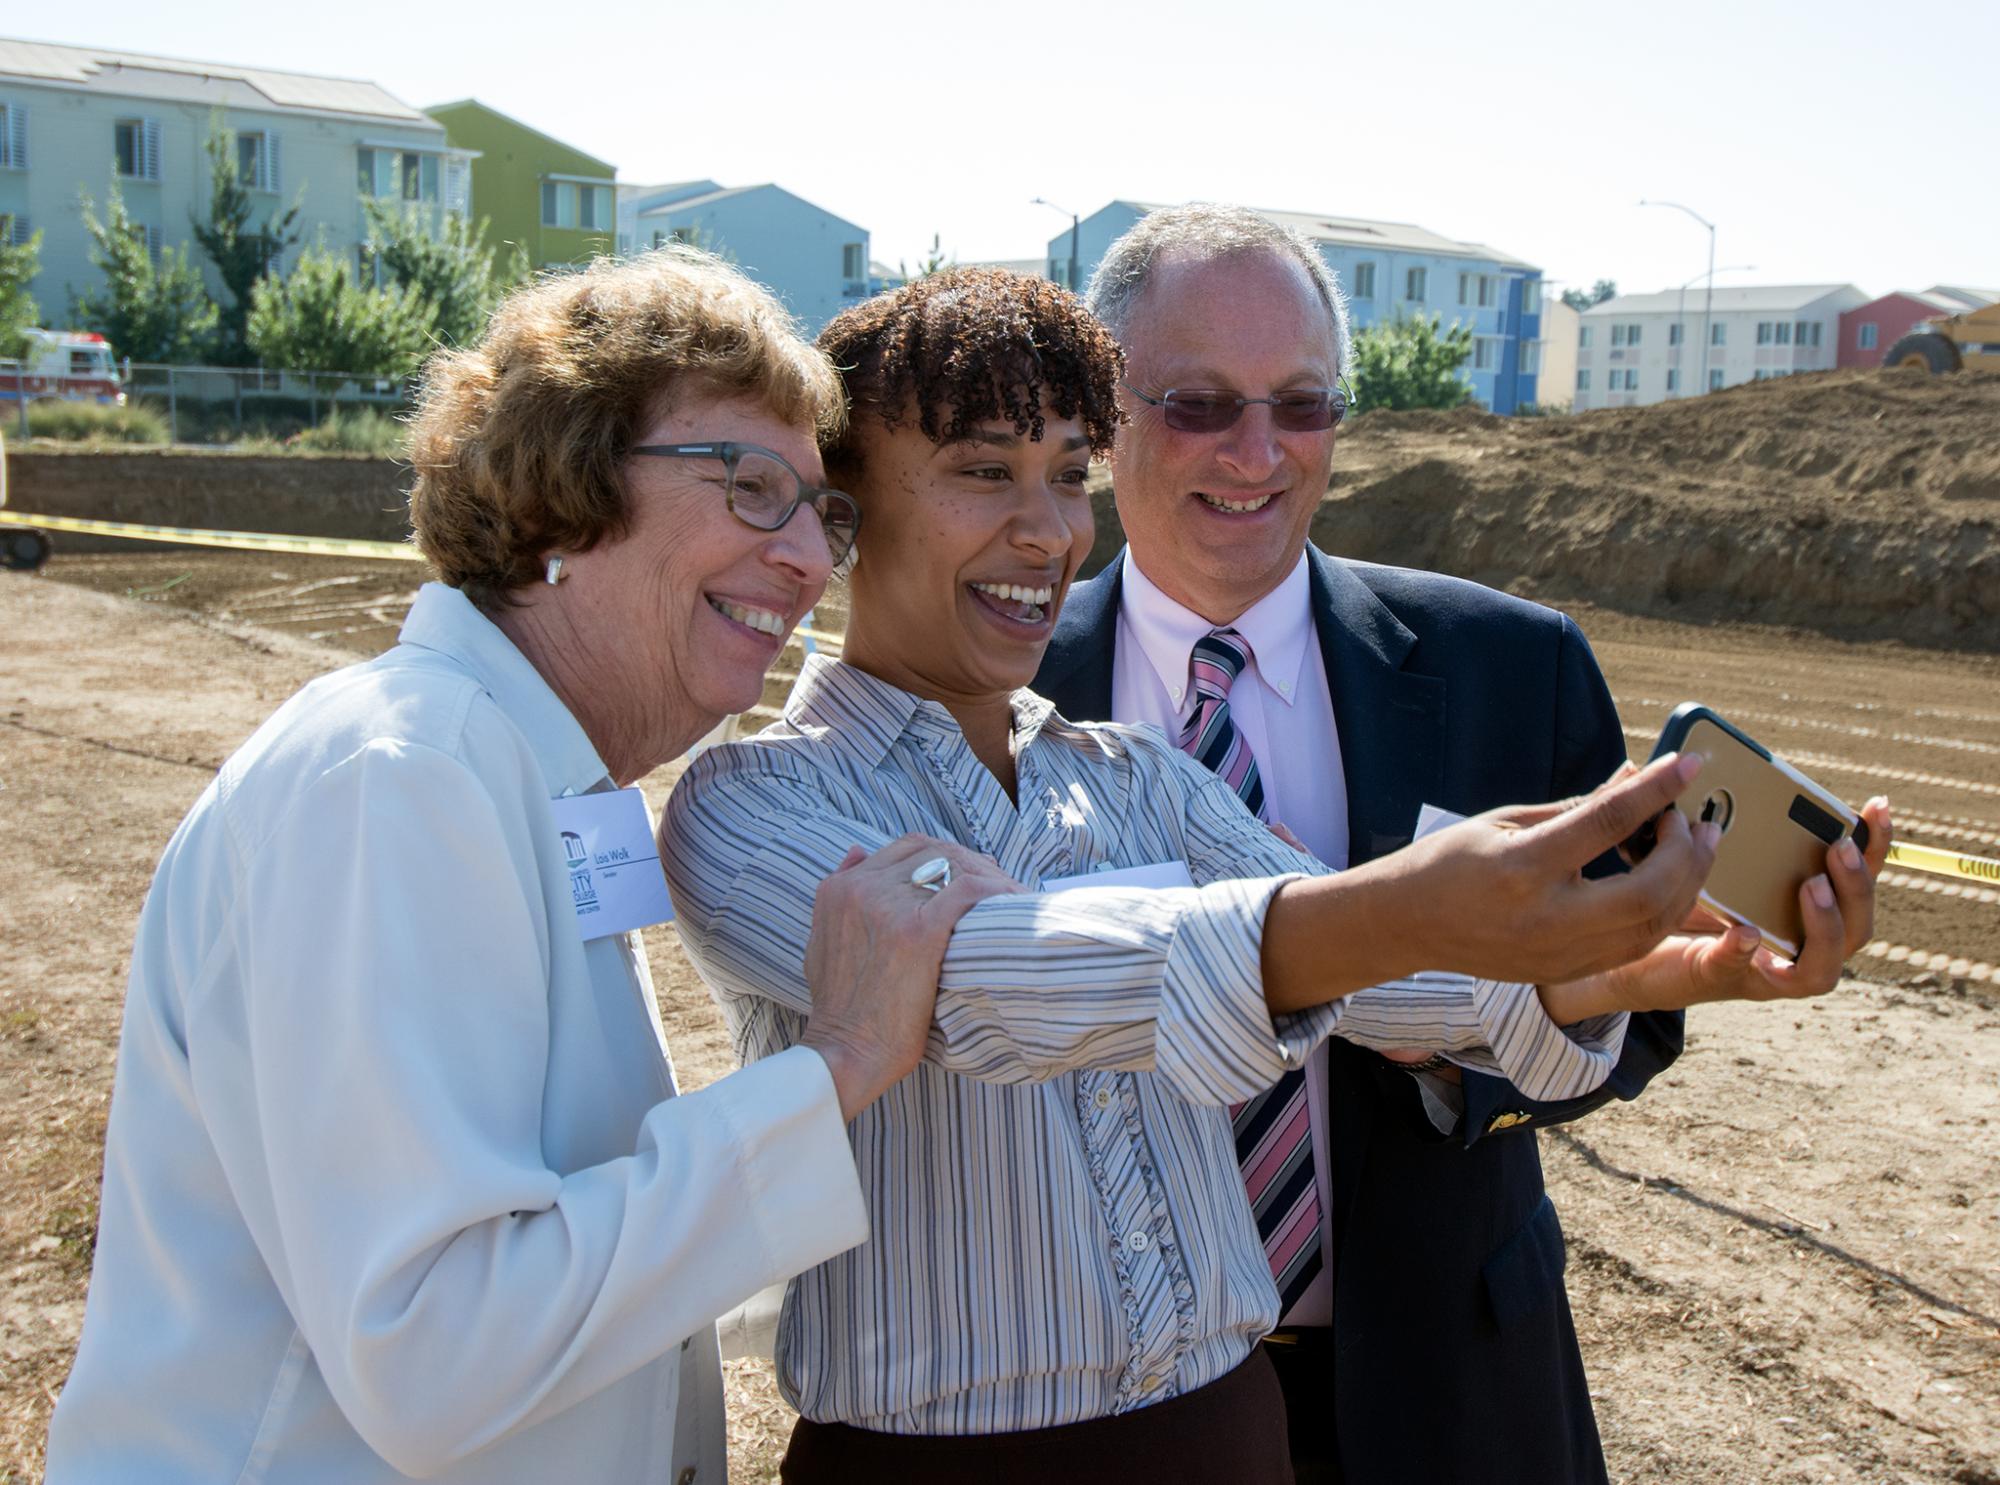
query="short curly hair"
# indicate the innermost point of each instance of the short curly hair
(955, 349)
(520, 441)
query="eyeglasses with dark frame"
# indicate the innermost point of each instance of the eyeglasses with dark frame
(763, 490)
(1211, 410)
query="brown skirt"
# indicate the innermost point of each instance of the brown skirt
(1231, 1432)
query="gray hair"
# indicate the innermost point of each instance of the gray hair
(1205, 231)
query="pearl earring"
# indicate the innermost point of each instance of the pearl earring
(554, 574)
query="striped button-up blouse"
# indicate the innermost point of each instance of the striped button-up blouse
(1058, 1227)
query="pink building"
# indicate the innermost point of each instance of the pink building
(1867, 333)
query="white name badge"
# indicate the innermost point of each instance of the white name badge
(1159, 874)
(615, 880)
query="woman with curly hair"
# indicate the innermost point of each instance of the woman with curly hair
(1064, 1279)
(397, 1181)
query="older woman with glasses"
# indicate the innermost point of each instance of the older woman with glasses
(397, 1181)
(1065, 1280)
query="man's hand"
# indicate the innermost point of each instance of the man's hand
(877, 947)
(1720, 962)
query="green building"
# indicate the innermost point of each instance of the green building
(558, 201)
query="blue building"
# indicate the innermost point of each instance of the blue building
(1390, 269)
(814, 261)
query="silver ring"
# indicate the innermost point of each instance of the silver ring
(933, 876)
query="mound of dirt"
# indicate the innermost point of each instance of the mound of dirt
(1860, 504)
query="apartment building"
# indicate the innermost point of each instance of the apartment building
(76, 120)
(552, 198)
(815, 262)
(1644, 348)
(1866, 333)
(1390, 269)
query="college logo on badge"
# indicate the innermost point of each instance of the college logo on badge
(583, 891)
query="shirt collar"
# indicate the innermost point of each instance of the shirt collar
(863, 715)
(444, 620)
(1278, 627)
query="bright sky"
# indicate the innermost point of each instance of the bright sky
(1828, 140)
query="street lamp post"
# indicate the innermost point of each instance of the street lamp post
(1680, 314)
(1073, 225)
(1708, 295)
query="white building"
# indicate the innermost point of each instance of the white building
(1557, 381)
(74, 119)
(1643, 348)
(814, 261)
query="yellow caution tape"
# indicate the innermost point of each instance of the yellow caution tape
(254, 541)
(1945, 863)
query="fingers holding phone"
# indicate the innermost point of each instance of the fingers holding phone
(1792, 893)
(1837, 908)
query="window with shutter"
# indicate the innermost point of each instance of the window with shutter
(13, 137)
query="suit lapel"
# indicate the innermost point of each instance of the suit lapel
(1076, 672)
(1391, 721)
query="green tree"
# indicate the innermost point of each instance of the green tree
(243, 255)
(320, 319)
(934, 261)
(1411, 362)
(515, 267)
(150, 312)
(1582, 299)
(445, 259)
(19, 262)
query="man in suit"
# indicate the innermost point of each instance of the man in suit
(1431, 1338)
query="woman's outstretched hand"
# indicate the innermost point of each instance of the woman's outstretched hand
(1501, 896)
(877, 947)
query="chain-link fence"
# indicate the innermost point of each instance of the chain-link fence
(216, 404)
(213, 404)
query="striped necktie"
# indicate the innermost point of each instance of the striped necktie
(1274, 1129)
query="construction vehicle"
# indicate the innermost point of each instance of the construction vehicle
(1950, 342)
(21, 549)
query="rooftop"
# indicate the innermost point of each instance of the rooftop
(135, 75)
(1730, 299)
(1402, 237)
(703, 198)
(679, 204)
(1960, 297)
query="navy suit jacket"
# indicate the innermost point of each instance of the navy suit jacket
(1455, 1358)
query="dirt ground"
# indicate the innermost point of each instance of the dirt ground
(1861, 504)
(1785, 1259)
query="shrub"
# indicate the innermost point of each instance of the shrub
(1413, 362)
(356, 430)
(97, 422)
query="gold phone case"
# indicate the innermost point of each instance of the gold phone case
(1776, 824)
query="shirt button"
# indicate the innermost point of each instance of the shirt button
(1102, 1098)
(685, 1477)
(1151, 1382)
(1139, 1241)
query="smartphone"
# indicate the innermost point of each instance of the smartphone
(1776, 824)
